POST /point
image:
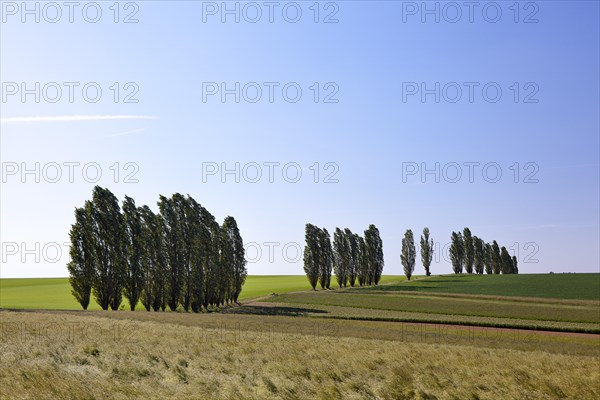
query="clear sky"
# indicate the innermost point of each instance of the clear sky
(517, 90)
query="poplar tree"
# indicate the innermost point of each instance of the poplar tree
(186, 212)
(457, 252)
(238, 259)
(479, 254)
(354, 262)
(173, 250)
(409, 254)
(363, 262)
(488, 259)
(515, 268)
(81, 267)
(330, 258)
(496, 258)
(342, 254)
(326, 258)
(147, 255)
(202, 268)
(211, 259)
(311, 255)
(426, 250)
(374, 254)
(226, 263)
(107, 242)
(506, 261)
(469, 250)
(134, 282)
(153, 268)
(195, 235)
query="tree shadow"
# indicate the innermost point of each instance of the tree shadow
(273, 310)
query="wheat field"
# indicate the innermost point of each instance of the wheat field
(96, 356)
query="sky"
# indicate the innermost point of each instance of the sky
(340, 114)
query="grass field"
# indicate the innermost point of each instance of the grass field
(368, 314)
(55, 293)
(476, 300)
(448, 305)
(557, 286)
(425, 339)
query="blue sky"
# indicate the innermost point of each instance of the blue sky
(363, 141)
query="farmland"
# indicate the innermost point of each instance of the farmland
(55, 293)
(557, 286)
(287, 342)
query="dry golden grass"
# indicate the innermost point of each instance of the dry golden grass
(154, 356)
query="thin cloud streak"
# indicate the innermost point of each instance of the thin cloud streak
(74, 118)
(128, 132)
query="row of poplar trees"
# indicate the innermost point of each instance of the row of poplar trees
(178, 257)
(467, 252)
(473, 254)
(352, 257)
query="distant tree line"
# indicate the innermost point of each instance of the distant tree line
(474, 255)
(178, 257)
(353, 258)
(467, 252)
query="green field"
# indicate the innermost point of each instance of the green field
(557, 286)
(560, 302)
(448, 305)
(55, 293)
(464, 300)
(377, 314)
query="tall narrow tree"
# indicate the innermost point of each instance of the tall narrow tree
(488, 259)
(362, 257)
(326, 258)
(342, 257)
(107, 241)
(354, 262)
(153, 268)
(160, 286)
(409, 254)
(515, 268)
(134, 281)
(506, 261)
(173, 249)
(212, 251)
(197, 235)
(311, 255)
(374, 249)
(226, 263)
(187, 221)
(496, 258)
(426, 251)
(479, 254)
(81, 267)
(238, 260)
(469, 250)
(330, 258)
(457, 252)
(147, 259)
